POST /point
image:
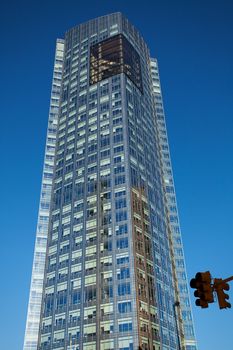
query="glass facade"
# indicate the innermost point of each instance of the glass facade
(35, 298)
(111, 278)
(113, 56)
(172, 211)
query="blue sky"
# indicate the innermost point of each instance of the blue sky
(193, 43)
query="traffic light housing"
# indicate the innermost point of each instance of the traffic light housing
(220, 286)
(204, 289)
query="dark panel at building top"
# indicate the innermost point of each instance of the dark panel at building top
(113, 56)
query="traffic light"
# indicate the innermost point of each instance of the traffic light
(220, 286)
(204, 289)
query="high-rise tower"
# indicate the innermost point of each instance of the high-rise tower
(108, 270)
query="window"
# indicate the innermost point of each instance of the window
(89, 329)
(120, 179)
(118, 138)
(114, 56)
(74, 334)
(106, 309)
(107, 292)
(107, 344)
(123, 289)
(121, 229)
(49, 303)
(89, 312)
(105, 153)
(122, 243)
(120, 193)
(119, 169)
(120, 203)
(118, 149)
(125, 343)
(61, 299)
(122, 260)
(90, 293)
(125, 307)
(76, 297)
(106, 327)
(89, 346)
(125, 327)
(121, 216)
(123, 273)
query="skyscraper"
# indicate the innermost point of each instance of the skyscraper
(108, 270)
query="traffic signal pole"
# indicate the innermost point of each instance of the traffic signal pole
(226, 280)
